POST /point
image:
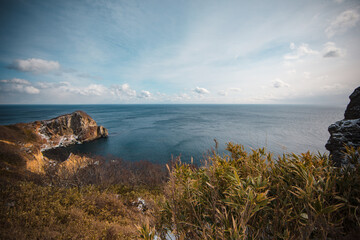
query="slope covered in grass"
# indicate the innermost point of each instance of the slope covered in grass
(236, 196)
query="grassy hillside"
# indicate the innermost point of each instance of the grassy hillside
(237, 196)
(42, 212)
(99, 200)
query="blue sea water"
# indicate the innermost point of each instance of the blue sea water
(156, 132)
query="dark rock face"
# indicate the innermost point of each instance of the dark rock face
(76, 127)
(345, 132)
(353, 109)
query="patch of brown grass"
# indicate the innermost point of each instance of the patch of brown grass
(40, 212)
(83, 170)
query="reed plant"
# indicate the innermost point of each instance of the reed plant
(257, 196)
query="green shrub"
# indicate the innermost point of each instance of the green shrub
(252, 196)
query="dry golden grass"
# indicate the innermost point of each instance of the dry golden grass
(85, 198)
(39, 212)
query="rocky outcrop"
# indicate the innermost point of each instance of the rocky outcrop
(353, 109)
(22, 144)
(345, 132)
(77, 127)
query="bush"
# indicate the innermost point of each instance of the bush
(252, 196)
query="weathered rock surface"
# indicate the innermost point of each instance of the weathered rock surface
(345, 132)
(353, 109)
(22, 144)
(64, 130)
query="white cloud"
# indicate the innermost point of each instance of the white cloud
(16, 81)
(343, 22)
(65, 88)
(18, 85)
(332, 87)
(31, 90)
(182, 97)
(298, 52)
(335, 88)
(291, 71)
(123, 90)
(307, 75)
(292, 46)
(91, 90)
(278, 83)
(144, 94)
(94, 89)
(228, 91)
(339, 1)
(222, 93)
(47, 85)
(35, 65)
(235, 89)
(200, 90)
(330, 50)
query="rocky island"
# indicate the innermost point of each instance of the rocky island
(24, 143)
(77, 127)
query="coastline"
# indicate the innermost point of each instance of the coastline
(157, 132)
(148, 196)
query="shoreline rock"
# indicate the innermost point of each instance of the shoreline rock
(345, 132)
(22, 144)
(76, 127)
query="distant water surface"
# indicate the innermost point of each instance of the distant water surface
(156, 132)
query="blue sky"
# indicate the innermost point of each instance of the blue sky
(261, 52)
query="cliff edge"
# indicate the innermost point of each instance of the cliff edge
(345, 132)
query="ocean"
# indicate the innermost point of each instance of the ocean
(158, 132)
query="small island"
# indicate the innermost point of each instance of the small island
(24, 143)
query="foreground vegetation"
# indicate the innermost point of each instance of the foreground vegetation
(38, 212)
(252, 196)
(74, 201)
(236, 196)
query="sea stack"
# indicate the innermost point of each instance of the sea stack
(345, 132)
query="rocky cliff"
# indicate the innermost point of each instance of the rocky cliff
(76, 127)
(21, 145)
(345, 132)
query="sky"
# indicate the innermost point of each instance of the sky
(228, 52)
